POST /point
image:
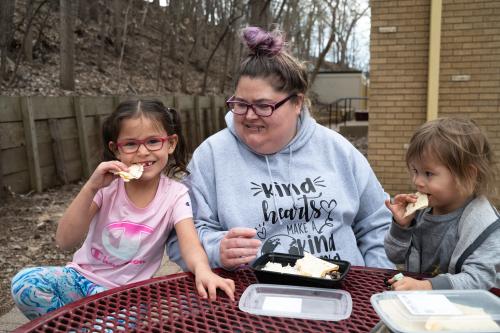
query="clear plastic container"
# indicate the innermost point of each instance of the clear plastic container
(296, 302)
(438, 311)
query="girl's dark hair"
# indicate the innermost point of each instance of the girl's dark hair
(462, 147)
(168, 118)
(267, 58)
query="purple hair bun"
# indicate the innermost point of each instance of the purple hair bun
(261, 42)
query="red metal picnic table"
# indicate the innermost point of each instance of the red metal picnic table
(171, 304)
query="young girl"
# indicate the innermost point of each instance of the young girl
(456, 238)
(123, 225)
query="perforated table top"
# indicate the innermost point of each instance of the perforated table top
(171, 304)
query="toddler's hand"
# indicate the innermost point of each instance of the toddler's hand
(408, 283)
(398, 208)
(208, 280)
(103, 174)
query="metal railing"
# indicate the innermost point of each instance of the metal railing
(341, 109)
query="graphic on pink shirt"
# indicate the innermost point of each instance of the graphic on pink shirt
(123, 239)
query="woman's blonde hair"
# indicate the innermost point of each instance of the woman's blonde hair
(462, 147)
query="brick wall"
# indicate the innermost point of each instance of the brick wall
(470, 45)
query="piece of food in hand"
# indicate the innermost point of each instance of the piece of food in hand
(422, 202)
(134, 172)
(398, 276)
(309, 265)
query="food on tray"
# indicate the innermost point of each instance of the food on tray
(134, 172)
(276, 267)
(422, 202)
(472, 319)
(479, 321)
(315, 267)
(309, 265)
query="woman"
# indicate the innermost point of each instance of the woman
(276, 181)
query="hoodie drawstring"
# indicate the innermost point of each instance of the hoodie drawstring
(272, 191)
(290, 176)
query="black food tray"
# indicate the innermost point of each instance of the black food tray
(293, 279)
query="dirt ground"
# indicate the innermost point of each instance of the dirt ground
(27, 238)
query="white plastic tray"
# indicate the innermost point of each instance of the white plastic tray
(438, 311)
(296, 302)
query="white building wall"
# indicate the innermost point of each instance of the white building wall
(329, 87)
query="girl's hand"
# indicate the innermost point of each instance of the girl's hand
(408, 283)
(238, 247)
(103, 174)
(398, 209)
(208, 280)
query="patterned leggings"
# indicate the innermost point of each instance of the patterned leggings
(39, 290)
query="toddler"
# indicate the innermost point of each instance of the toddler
(456, 238)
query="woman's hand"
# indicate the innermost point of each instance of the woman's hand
(208, 280)
(238, 247)
(408, 283)
(104, 174)
(398, 209)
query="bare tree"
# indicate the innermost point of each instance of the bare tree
(41, 27)
(186, 41)
(28, 41)
(223, 73)
(233, 47)
(260, 13)
(309, 26)
(83, 10)
(162, 44)
(94, 8)
(6, 32)
(123, 43)
(200, 35)
(20, 52)
(333, 6)
(351, 14)
(102, 34)
(235, 16)
(67, 52)
(116, 10)
(277, 17)
(175, 13)
(144, 12)
(196, 21)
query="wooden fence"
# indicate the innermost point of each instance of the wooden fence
(47, 141)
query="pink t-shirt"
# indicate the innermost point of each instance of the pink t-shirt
(125, 243)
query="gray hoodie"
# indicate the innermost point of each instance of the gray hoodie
(318, 194)
(462, 249)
